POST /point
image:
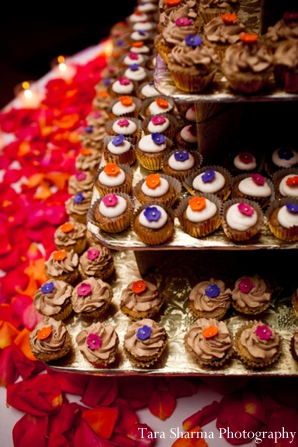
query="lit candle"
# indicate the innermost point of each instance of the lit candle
(27, 94)
(108, 47)
(63, 68)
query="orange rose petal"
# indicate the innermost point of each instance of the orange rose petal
(8, 334)
(191, 438)
(44, 333)
(162, 103)
(152, 181)
(102, 420)
(111, 169)
(67, 227)
(59, 255)
(210, 332)
(126, 100)
(22, 341)
(197, 203)
(162, 404)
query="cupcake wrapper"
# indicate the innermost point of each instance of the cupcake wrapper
(127, 158)
(154, 162)
(154, 237)
(170, 200)
(285, 234)
(262, 201)
(223, 194)
(135, 316)
(188, 83)
(64, 313)
(124, 188)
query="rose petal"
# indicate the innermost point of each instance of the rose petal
(127, 417)
(162, 404)
(57, 440)
(66, 418)
(8, 333)
(120, 440)
(8, 370)
(142, 434)
(100, 390)
(25, 367)
(70, 383)
(102, 420)
(191, 438)
(129, 389)
(202, 417)
(85, 436)
(22, 340)
(30, 431)
(181, 387)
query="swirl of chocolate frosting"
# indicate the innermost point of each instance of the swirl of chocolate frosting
(251, 58)
(257, 295)
(283, 30)
(52, 344)
(67, 265)
(219, 32)
(99, 295)
(202, 302)
(217, 3)
(258, 348)
(71, 237)
(53, 302)
(144, 348)
(171, 15)
(93, 267)
(287, 54)
(84, 184)
(80, 208)
(209, 349)
(174, 34)
(109, 342)
(143, 301)
(89, 161)
(201, 57)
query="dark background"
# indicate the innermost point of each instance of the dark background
(30, 37)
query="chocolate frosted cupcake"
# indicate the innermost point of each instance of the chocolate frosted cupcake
(78, 205)
(88, 160)
(153, 224)
(251, 295)
(178, 10)
(209, 9)
(50, 340)
(114, 178)
(96, 262)
(294, 346)
(210, 180)
(210, 299)
(53, 299)
(71, 236)
(257, 345)
(92, 298)
(285, 61)
(144, 342)
(80, 182)
(62, 265)
(157, 188)
(140, 299)
(285, 29)
(209, 342)
(99, 344)
(91, 137)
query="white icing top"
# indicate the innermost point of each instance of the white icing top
(120, 149)
(112, 180)
(135, 75)
(245, 166)
(287, 219)
(154, 108)
(147, 7)
(139, 37)
(158, 127)
(149, 90)
(159, 191)
(137, 17)
(142, 49)
(119, 109)
(146, 144)
(181, 165)
(202, 215)
(154, 225)
(128, 61)
(282, 162)
(238, 221)
(211, 187)
(124, 130)
(287, 190)
(113, 211)
(122, 89)
(188, 136)
(248, 187)
(143, 26)
(191, 114)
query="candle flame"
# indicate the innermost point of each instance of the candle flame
(62, 67)
(25, 85)
(27, 93)
(61, 59)
(108, 48)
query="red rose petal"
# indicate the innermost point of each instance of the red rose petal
(57, 440)
(31, 431)
(129, 389)
(181, 387)
(25, 367)
(191, 438)
(142, 434)
(70, 383)
(8, 370)
(100, 390)
(85, 436)
(120, 440)
(162, 404)
(102, 420)
(202, 417)
(127, 417)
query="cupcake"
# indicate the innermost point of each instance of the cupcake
(180, 163)
(210, 180)
(50, 340)
(286, 28)
(92, 298)
(136, 73)
(53, 299)
(163, 123)
(140, 299)
(286, 183)
(112, 213)
(281, 158)
(124, 106)
(96, 262)
(190, 115)
(144, 342)
(88, 160)
(102, 99)
(282, 218)
(151, 149)
(222, 31)
(247, 65)
(199, 215)
(147, 90)
(130, 128)
(132, 57)
(153, 224)
(251, 295)
(253, 186)
(285, 61)
(209, 9)
(122, 87)
(91, 137)
(80, 182)
(177, 11)
(119, 150)
(113, 179)
(156, 106)
(244, 161)
(210, 299)
(257, 345)
(294, 346)
(157, 188)
(187, 138)
(241, 219)
(71, 236)
(99, 344)
(141, 48)
(78, 205)
(209, 342)
(62, 265)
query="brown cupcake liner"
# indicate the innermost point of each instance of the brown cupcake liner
(58, 354)
(133, 138)
(285, 234)
(199, 229)
(78, 247)
(169, 201)
(146, 361)
(127, 158)
(133, 114)
(99, 313)
(212, 363)
(181, 175)
(64, 313)
(135, 316)
(191, 83)
(116, 225)
(218, 313)
(124, 188)
(222, 194)
(244, 355)
(146, 103)
(153, 161)
(70, 278)
(249, 310)
(245, 82)
(262, 201)
(277, 178)
(243, 235)
(169, 132)
(292, 347)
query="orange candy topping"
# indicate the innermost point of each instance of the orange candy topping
(103, 94)
(139, 287)
(126, 100)
(85, 151)
(152, 181)
(248, 38)
(173, 2)
(292, 181)
(162, 103)
(197, 203)
(111, 169)
(229, 17)
(67, 227)
(138, 44)
(210, 332)
(59, 255)
(44, 333)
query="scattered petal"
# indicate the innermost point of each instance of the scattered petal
(162, 404)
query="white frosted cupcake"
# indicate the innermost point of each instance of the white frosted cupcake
(210, 180)
(151, 149)
(124, 106)
(282, 217)
(157, 105)
(153, 224)
(130, 128)
(114, 178)
(157, 188)
(118, 150)
(286, 183)
(121, 87)
(163, 123)
(254, 187)
(181, 163)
